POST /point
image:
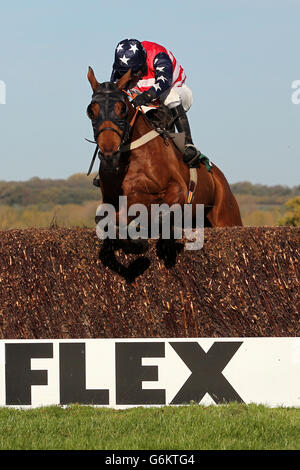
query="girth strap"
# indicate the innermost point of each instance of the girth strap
(192, 185)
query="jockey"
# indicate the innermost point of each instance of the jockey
(156, 74)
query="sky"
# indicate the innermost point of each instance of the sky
(241, 59)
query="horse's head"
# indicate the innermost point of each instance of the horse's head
(108, 112)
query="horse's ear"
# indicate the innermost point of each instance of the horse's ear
(92, 79)
(124, 80)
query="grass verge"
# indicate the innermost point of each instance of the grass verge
(193, 427)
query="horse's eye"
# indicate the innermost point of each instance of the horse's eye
(121, 109)
(92, 110)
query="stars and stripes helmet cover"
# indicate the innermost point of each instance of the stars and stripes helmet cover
(129, 53)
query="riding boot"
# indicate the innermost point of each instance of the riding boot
(191, 153)
(96, 181)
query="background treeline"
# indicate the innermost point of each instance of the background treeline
(73, 202)
(47, 192)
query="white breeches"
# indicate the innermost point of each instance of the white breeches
(175, 96)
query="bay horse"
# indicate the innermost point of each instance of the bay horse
(152, 172)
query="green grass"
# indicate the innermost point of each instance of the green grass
(226, 427)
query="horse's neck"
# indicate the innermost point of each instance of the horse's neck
(140, 127)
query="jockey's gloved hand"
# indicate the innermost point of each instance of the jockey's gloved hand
(144, 98)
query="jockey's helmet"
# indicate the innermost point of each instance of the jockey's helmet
(129, 54)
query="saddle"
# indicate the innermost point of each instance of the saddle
(163, 122)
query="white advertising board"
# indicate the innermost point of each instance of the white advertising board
(121, 373)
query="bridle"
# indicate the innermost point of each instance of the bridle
(106, 96)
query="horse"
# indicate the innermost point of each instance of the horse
(147, 167)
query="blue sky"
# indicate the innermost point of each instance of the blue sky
(240, 58)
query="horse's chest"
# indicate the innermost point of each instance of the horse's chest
(140, 183)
